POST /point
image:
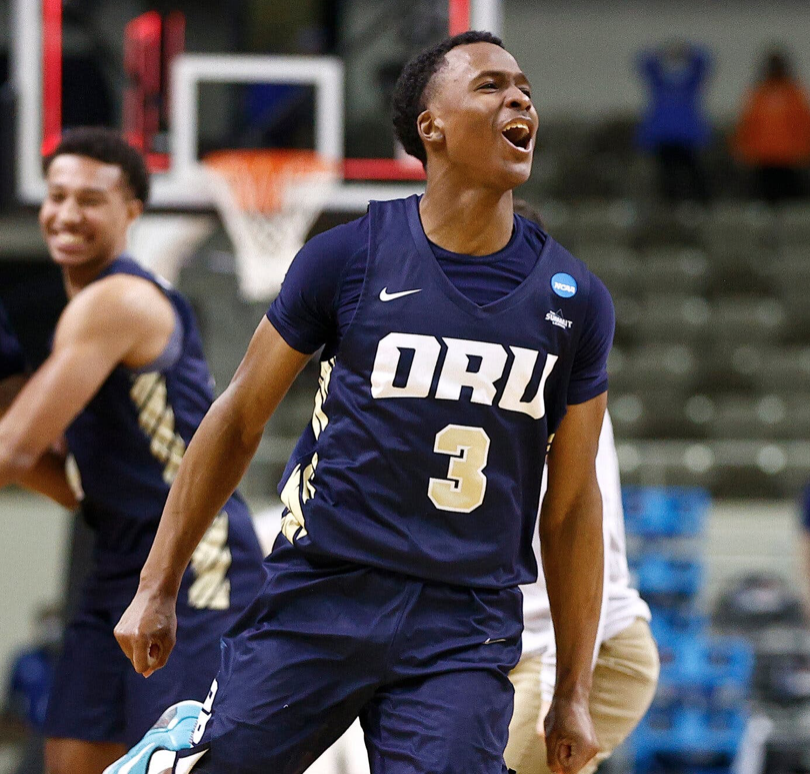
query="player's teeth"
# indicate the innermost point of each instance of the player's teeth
(517, 133)
(69, 239)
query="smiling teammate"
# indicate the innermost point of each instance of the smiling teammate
(127, 383)
(458, 341)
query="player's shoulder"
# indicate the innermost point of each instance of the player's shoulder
(120, 291)
(118, 303)
(341, 241)
(565, 261)
(324, 259)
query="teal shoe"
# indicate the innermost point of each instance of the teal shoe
(171, 733)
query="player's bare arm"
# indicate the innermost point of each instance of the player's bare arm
(572, 552)
(47, 476)
(225, 442)
(119, 320)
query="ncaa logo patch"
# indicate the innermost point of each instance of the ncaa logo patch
(564, 285)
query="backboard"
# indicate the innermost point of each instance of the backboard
(171, 83)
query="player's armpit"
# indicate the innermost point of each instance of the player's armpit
(263, 377)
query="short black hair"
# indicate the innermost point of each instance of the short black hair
(109, 147)
(409, 93)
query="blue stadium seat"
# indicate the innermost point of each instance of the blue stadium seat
(687, 739)
(664, 511)
(670, 624)
(716, 671)
(661, 578)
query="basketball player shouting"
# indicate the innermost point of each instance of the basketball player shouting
(127, 383)
(459, 340)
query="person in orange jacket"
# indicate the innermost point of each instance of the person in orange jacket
(773, 134)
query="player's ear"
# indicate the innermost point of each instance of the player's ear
(431, 128)
(134, 209)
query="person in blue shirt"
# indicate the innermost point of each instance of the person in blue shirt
(674, 126)
(804, 513)
(458, 343)
(126, 384)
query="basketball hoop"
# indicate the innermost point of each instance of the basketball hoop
(268, 201)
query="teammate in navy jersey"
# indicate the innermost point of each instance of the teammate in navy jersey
(458, 341)
(127, 384)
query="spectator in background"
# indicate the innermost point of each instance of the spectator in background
(805, 549)
(773, 134)
(33, 668)
(674, 126)
(31, 676)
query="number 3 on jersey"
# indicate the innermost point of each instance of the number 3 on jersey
(464, 488)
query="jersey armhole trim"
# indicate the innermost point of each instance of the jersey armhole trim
(364, 289)
(173, 350)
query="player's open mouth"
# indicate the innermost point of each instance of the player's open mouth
(518, 134)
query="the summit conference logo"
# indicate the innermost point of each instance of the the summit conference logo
(556, 318)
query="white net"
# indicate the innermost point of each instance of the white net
(164, 242)
(268, 201)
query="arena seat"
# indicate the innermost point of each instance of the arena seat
(676, 269)
(793, 225)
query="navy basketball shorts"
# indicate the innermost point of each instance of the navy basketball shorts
(98, 697)
(424, 665)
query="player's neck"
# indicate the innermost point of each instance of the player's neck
(470, 221)
(77, 278)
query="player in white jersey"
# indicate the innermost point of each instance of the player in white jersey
(625, 659)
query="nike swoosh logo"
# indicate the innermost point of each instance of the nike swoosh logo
(489, 641)
(386, 296)
(129, 765)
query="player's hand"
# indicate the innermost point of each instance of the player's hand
(147, 631)
(570, 736)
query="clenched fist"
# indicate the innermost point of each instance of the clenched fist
(147, 631)
(570, 736)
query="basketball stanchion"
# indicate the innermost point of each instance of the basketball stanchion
(268, 201)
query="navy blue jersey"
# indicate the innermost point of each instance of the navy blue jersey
(126, 446)
(434, 412)
(12, 360)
